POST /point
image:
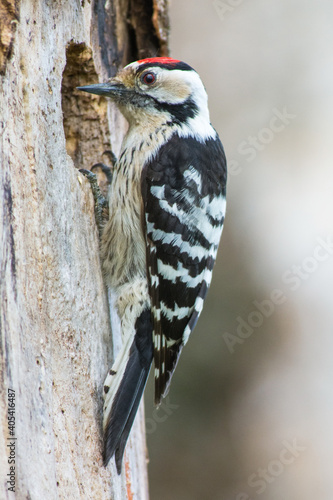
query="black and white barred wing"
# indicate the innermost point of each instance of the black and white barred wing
(184, 205)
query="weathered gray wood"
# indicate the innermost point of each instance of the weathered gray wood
(56, 341)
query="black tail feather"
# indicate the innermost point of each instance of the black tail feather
(128, 397)
(122, 443)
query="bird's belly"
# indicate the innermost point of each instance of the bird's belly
(123, 246)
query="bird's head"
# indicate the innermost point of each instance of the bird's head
(155, 87)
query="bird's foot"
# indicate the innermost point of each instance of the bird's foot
(100, 178)
(101, 204)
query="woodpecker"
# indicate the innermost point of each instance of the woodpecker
(158, 247)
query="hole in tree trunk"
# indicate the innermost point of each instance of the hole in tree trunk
(85, 115)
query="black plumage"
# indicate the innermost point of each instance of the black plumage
(168, 213)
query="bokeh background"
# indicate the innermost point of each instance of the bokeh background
(249, 415)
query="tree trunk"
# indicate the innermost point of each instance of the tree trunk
(56, 340)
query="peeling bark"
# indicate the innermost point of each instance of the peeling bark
(56, 342)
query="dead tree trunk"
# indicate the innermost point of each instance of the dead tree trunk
(56, 341)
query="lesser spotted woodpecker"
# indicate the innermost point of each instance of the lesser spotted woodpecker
(166, 212)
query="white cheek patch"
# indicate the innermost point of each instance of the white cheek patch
(172, 92)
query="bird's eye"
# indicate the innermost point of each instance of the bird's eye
(148, 78)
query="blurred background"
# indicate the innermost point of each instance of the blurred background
(250, 411)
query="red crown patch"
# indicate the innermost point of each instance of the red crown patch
(159, 60)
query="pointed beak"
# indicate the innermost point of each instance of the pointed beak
(109, 89)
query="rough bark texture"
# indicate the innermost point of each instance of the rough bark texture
(56, 341)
